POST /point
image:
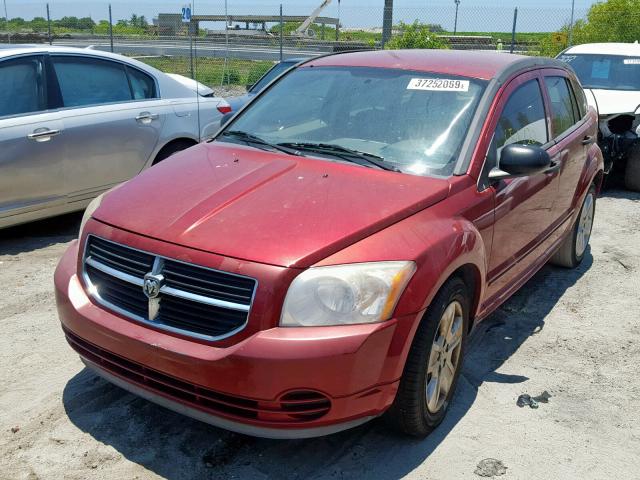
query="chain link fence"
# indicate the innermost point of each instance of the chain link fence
(232, 47)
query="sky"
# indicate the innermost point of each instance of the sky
(474, 15)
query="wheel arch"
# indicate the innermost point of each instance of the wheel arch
(187, 141)
(472, 278)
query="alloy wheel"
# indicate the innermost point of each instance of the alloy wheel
(585, 223)
(445, 357)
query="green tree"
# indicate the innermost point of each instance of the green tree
(68, 22)
(39, 24)
(102, 27)
(415, 35)
(609, 21)
(289, 28)
(86, 23)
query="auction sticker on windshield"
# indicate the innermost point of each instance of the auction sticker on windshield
(439, 84)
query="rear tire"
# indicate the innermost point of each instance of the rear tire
(420, 404)
(632, 170)
(574, 247)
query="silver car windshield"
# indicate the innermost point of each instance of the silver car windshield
(608, 72)
(414, 122)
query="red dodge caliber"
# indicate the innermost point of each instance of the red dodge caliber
(322, 260)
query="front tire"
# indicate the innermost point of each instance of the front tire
(573, 249)
(434, 362)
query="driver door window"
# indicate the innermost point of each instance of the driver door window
(522, 121)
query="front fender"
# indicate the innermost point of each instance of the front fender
(440, 245)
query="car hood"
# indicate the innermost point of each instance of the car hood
(265, 207)
(609, 102)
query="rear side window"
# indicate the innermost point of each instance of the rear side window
(581, 99)
(142, 85)
(88, 81)
(523, 119)
(563, 105)
(23, 86)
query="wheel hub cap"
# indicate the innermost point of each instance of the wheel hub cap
(445, 357)
(585, 223)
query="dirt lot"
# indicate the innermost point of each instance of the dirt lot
(575, 334)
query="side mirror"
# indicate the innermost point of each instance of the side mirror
(520, 161)
(226, 117)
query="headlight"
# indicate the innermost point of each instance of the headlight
(345, 294)
(92, 207)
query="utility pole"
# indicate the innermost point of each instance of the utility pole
(387, 21)
(513, 30)
(455, 22)
(49, 25)
(6, 22)
(281, 32)
(110, 29)
(573, 2)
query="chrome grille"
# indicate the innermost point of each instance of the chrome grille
(169, 294)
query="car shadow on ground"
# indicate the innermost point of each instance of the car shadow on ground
(620, 193)
(41, 234)
(176, 447)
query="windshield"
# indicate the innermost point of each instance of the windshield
(414, 122)
(609, 72)
(270, 75)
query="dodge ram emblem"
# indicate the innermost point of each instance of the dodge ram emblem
(152, 285)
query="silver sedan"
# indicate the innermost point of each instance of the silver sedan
(75, 122)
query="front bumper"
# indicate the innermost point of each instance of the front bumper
(276, 383)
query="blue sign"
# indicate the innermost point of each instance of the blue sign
(186, 14)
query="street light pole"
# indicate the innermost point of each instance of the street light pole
(571, 23)
(455, 23)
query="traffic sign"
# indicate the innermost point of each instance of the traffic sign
(186, 14)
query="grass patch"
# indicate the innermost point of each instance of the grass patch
(212, 71)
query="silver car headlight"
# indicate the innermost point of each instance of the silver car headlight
(345, 294)
(92, 207)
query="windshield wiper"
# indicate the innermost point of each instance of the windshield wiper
(343, 152)
(250, 138)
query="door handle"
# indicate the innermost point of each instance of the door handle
(43, 134)
(555, 166)
(588, 140)
(146, 117)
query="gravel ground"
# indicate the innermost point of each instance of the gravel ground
(575, 334)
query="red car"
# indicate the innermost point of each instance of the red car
(322, 260)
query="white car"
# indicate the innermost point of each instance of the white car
(610, 75)
(75, 122)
